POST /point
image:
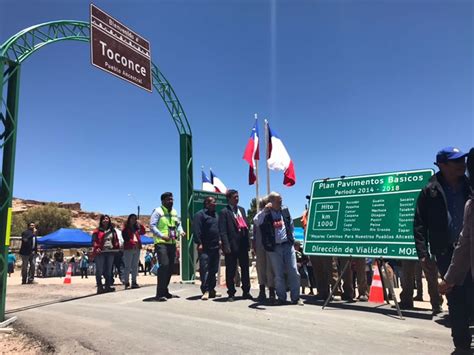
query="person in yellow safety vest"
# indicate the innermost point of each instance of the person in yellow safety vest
(164, 223)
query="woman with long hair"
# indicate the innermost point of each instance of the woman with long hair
(131, 249)
(105, 244)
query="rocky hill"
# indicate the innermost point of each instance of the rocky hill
(84, 220)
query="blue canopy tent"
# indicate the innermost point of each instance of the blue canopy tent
(66, 238)
(74, 238)
(146, 240)
(299, 234)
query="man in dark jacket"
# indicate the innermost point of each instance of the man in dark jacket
(459, 279)
(438, 222)
(277, 238)
(59, 262)
(28, 250)
(234, 233)
(206, 236)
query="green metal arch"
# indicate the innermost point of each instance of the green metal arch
(16, 50)
(20, 46)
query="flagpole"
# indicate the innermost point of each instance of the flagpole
(266, 147)
(256, 173)
(212, 179)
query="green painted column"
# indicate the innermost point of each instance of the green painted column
(186, 170)
(10, 74)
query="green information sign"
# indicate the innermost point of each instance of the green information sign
(200, 195)
(365, 216)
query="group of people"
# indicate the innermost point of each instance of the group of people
(106, 245)
(273, 244)
(56, 264)
(280, 263)
(41, 263)
(443, 229)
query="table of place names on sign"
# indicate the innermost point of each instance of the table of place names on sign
(365, 216)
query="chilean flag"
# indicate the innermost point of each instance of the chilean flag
(251, 153)
(206, 183)
(218, 184)
(279, 159)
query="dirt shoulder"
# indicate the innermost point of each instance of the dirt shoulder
(52, 289)
(44, 292)
(20, 342)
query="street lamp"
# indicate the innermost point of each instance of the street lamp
(138, 204)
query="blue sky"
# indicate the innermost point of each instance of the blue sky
(351, 87)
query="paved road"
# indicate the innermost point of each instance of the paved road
(122, 323)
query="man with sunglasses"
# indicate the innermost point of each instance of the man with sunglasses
(439, 220)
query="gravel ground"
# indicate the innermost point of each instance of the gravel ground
(44, 292)
(19, 342)
(52, 289)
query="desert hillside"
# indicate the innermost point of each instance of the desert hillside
(84, 220)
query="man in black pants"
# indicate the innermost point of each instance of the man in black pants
(206, 236)
(28, 249)
(164, 223)
(438, 223)
(459, 280)
(234, 233)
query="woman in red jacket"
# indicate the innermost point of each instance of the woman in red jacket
(131, 249)
(105, 244)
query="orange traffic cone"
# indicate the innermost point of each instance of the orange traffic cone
(376, 289)
(67, 279)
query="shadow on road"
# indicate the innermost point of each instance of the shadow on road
(444, 321)
(193, 298)
(417, 313)
(261, 306)
(38, 305)
(225, 298)
(258, 306)
(150, 299)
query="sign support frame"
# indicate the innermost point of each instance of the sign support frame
(338, 282)
(388, 284)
